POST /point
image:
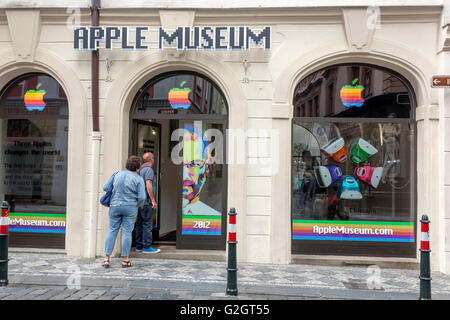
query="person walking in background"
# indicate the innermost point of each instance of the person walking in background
(127, 196)
(144, 222)
(298, 187)
(309, 187)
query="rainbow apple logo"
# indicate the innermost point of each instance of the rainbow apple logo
(351, 95)
(179, 97)
(34, 99)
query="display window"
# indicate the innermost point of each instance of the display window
(353, 164)
(33, 155)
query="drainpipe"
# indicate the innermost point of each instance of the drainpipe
(95, 16)
(96, 138)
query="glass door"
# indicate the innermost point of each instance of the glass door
(148, 139)
(201, 218)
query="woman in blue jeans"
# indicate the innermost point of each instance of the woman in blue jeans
(127, 196)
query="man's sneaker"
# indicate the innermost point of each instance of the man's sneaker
(151, 250)
(138, 250)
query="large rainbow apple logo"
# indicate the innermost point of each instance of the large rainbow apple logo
(351, 95)
(179, 97)
(34, 99)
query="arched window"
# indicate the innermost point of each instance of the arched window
(33, 174)
(179, 94)
(353, 163)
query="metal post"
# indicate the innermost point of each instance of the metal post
(4, 230)
(425, 277)
(232, 261)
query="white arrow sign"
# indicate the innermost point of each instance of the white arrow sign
(440, 81)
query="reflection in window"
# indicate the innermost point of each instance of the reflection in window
(331, 93)
(367, 82)
(316, 106)
(380, 91)
(180, 94)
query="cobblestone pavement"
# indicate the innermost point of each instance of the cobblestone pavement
(59, 277)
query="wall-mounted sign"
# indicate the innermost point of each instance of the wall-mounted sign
(440, 81)
(182, 38)
(351, 94)
(353, 230)
(34, 99)
(167, 111)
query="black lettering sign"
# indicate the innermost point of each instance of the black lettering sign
(257, 39)
(125, 44)
(110, 37)
(96, 34)
(140, 38)
(187, 38)
(208, 40)
(241, 37)
(176, 35)
(80, 34)
(219, 37)
(183, 38)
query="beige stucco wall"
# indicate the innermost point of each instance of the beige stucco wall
(303, 41)
(444, 133)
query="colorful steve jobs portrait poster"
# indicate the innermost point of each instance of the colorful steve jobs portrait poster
(198, 218)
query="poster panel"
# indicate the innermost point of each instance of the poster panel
(198, 217)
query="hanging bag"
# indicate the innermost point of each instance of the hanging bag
(105, 200)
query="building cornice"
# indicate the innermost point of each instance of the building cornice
(217, 4)
(257, 16)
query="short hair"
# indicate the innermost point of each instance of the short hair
(147, 156)
(133, 163)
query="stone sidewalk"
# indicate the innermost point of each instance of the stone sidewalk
(59, 277)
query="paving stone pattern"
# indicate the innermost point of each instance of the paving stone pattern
(59, 277)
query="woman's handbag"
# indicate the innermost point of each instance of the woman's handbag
(105, 200)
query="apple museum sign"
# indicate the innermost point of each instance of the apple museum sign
(182, 38)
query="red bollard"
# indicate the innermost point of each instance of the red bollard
(4, 231)
(4, 219)
(232, 289)
(232, 226)
(425, 276)
(425, 231)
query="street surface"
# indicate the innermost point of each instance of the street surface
(59, 277)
